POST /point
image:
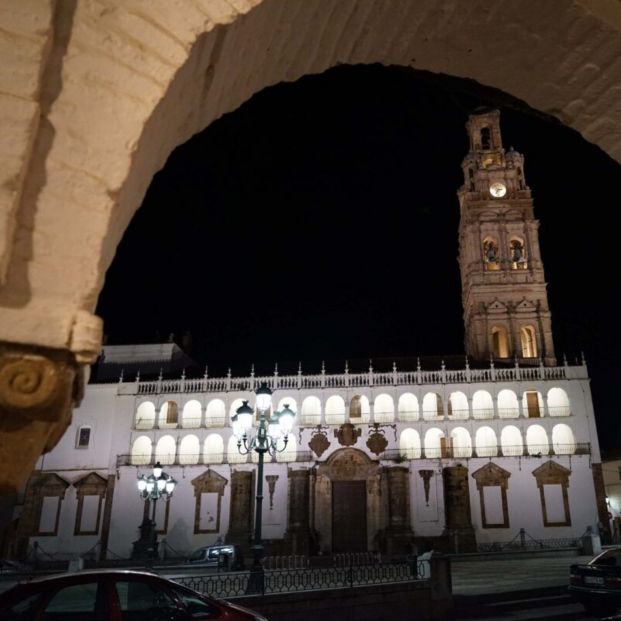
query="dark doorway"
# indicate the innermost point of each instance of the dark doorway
(349, 516)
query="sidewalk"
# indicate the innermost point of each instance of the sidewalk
(477, 577)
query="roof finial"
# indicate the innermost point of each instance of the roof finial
(346, 366)
(442, 365)
(138, 375)
(252, 370)
(370, 365)
(206, 374)
(161, 375)
(323, 367)
(300, 368)
(467, 363)
(183, 374)
(121, 377)
(275, 368)
(417, 363)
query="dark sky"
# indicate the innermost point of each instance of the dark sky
(319, 221)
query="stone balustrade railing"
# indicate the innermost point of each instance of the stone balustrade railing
(322, 380)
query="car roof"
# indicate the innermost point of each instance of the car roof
(92, 572)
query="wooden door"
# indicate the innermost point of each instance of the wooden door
(532, 402)
(349, 516)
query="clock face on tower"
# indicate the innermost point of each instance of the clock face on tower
(497, 189)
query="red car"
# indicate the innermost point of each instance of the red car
(114, 595)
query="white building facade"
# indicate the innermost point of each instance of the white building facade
(448, 458)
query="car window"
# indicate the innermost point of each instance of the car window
(197, 554)
(75, 602)
(24, 610)
(195, 605)
(144, 601)
(609, 558)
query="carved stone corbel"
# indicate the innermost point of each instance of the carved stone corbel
(38, 388)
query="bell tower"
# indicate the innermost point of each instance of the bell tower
(506, 311)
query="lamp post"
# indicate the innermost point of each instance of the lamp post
(152, 487)
(265, 440)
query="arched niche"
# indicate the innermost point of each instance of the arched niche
(191, 415)
(383, 409)
(408, 407)
(311, 411)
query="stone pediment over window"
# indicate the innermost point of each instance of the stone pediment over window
(91, 483)
(52, 484)
(209, 481)
(491, 474)
(526, 305)
(551, 473)
(497, 307)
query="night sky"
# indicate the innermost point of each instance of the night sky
(319, 222)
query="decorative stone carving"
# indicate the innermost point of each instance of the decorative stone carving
(319, 442)
(38, 388)
(347, 434)
(271, 485)
(377, 442)
(426, 475)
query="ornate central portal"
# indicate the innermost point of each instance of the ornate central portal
(347, 502)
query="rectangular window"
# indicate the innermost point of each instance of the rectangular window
(84, 437)
(208, 520)
(555, 507)
(48, 521)
(492, 505)
(89, 519)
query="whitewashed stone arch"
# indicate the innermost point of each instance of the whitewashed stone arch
(482, 404)
(508, 405)
(142, 449)
(335, 410)
(511, 441)
(558, 402)
(145, 415)
(408, 407)
(213, 449)
(189, 450)
(191, 415)
(409, 444)
(537, 440)
(383, 409)
(166, 450)
(563, 440)
(433, 445)
(215, 414)
(432, 406)
(458, 405)
(461, 442)
(311, 411)
(486, 442)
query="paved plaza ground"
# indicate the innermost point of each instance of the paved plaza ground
(489, 575)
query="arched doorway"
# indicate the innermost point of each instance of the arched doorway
(347, 502)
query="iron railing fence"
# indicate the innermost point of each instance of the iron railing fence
(523, 541)
(199, 460)
(497, 450)
(306, 579)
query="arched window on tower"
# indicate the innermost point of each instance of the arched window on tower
(500, 342)
(490, 254)
(516, 250)
(529, 342)
(486, 138)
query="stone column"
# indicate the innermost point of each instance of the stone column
(242, 508)
(458, 518)
(298, 536)
(399, 534)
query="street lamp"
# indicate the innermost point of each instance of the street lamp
(152, 487)
(265, 440)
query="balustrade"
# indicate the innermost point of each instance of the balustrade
(343, 380)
